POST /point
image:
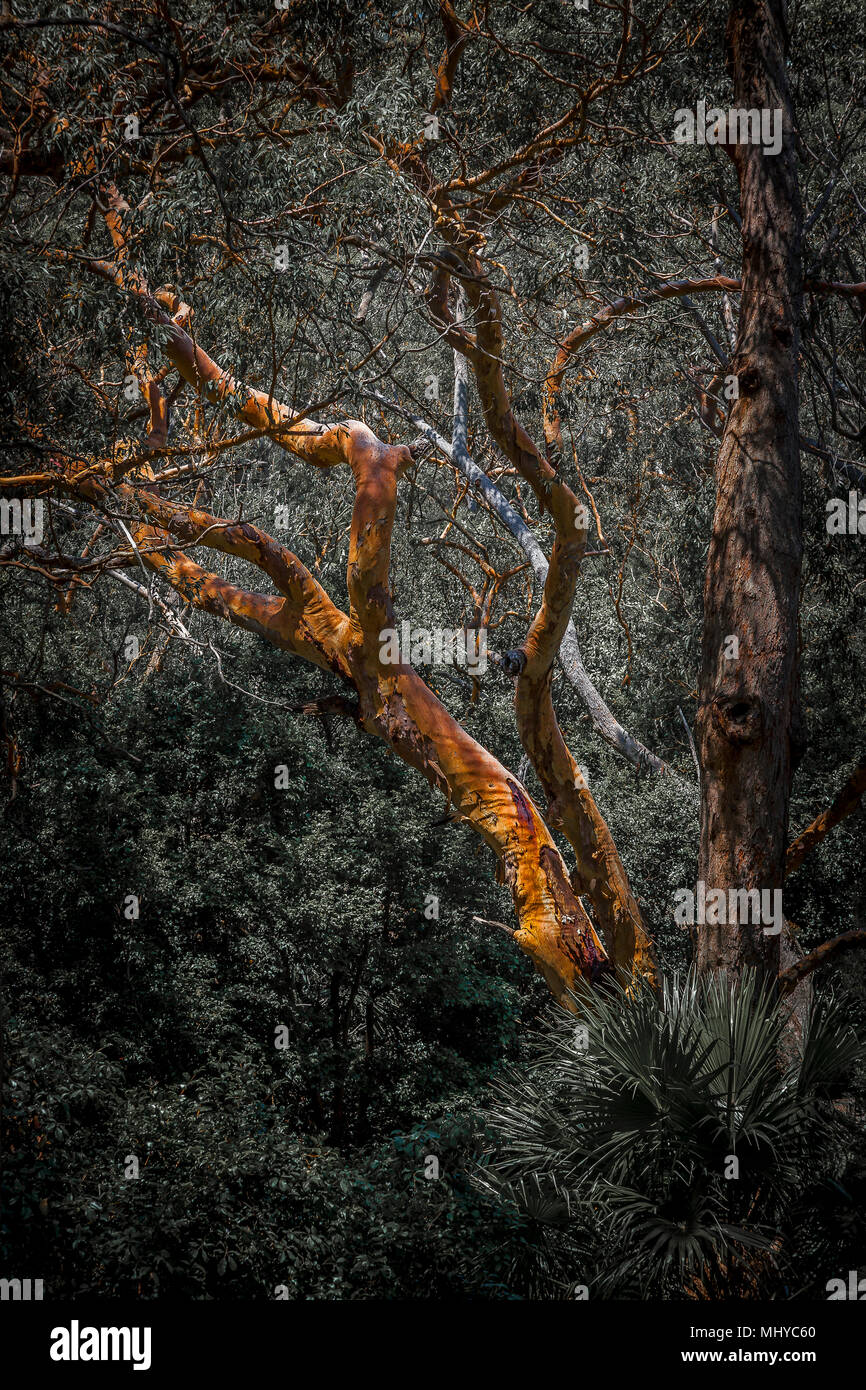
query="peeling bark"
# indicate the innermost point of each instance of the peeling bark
(571, 806)
(394, 704)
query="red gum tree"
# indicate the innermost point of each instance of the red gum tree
(574, 925)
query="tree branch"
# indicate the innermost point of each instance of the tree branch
(848, 941)
(605, 723)
(844, 803)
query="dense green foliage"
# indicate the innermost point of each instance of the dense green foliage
(308, 905)
(154, 1037)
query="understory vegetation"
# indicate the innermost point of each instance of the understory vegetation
(408, 1037)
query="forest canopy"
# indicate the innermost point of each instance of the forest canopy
(433, 504)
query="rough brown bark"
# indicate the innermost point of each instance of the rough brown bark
(748, 717)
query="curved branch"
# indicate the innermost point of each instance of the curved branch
(848, 941)
(630, 304)
(600, 871)
(847, 800)
(304, 621)
(258, 613)
(394, 703)
(605, 723)
(324, 446)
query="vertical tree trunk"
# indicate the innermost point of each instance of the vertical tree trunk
(749, 717)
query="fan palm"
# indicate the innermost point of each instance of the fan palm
(669, 1132)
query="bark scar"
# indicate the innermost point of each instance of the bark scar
(524, 814)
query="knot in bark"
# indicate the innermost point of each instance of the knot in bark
(513, 662)
(739, 718)
(748, 380)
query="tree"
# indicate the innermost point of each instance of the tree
(749, 715)
(289, 216)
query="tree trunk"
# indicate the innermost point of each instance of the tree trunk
(749, 717)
